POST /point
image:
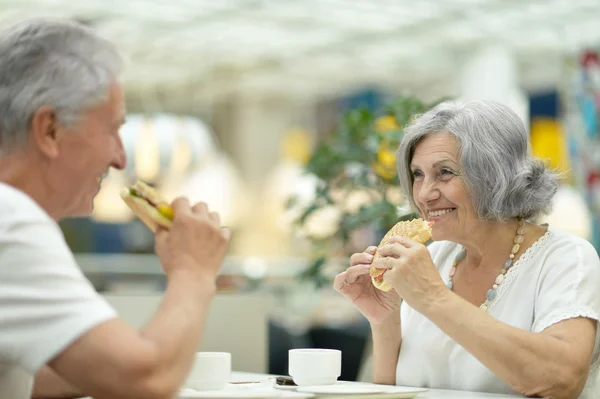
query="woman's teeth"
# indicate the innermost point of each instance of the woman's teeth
(440, 212)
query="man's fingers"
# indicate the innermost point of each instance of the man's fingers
(181, 205)
(226, 233)
(215, 217)
(200, 208)
(160, 232)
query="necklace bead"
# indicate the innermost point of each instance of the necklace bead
(492, 293)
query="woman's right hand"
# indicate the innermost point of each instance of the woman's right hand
(355, 284)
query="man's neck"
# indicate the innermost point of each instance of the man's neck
(19, 172)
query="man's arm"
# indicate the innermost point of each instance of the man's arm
(48, 385)
(114, 361)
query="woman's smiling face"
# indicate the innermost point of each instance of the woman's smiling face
(438, 189)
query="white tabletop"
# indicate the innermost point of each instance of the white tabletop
(241, 377)
(430, 394)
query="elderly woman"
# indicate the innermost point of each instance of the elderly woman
(497, 303)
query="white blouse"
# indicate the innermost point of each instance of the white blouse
(557, 278)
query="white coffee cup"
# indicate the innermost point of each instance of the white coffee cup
(314, 366)
(211, 371)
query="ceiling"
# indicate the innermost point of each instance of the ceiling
(320, 48)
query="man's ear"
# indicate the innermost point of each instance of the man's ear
(44, 131)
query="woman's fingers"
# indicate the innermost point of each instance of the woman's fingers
(361, 258)
(354, 272)
(371, 250)
(405, 242)
(387, 262)
(340, 282)
(350, 276)
(394, 250)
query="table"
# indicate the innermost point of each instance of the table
(239, 377)
(430, 394)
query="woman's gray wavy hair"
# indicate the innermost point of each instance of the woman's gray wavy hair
(51, 62)
(504, 179)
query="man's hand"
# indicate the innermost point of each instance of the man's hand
(195, 243)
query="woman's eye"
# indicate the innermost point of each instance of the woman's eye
(417, 174)
(447, 173)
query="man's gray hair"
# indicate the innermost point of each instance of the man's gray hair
(51, 62)
(504, 179)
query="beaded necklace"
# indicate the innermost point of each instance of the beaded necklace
(492, 292)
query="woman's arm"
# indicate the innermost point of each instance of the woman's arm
(382, 309)
(387, 339)
(552, 364)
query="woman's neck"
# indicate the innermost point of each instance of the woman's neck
(489, 243)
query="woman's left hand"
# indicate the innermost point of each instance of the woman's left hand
(411, 272)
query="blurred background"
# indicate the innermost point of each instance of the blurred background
(228, 100)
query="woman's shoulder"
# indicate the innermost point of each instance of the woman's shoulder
(563, 255)
(560, 243)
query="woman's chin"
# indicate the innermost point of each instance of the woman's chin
(438, 235)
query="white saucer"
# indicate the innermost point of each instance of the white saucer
(225, 393)
(245, 393)
(285, 387)
(341, 389)
(358, 390)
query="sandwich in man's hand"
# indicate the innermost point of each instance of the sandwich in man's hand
(417, 230)
(148, 205)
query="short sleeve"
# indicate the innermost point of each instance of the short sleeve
(46, 302)
(568, 283)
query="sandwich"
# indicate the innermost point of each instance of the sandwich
(417, 230)
(148, 205)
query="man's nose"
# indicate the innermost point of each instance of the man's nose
(120, 160)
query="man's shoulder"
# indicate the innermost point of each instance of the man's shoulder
(25, 226)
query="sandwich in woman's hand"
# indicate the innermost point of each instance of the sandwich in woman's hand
(148, 205)
(417, 230)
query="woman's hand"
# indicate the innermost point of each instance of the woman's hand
(355, 284)
(411, 272)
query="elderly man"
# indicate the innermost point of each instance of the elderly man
(61, 107)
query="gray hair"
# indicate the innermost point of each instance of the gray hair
(51, 62)
(504, 179)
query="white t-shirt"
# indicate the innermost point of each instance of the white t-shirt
(45, 300)
(557, 278)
